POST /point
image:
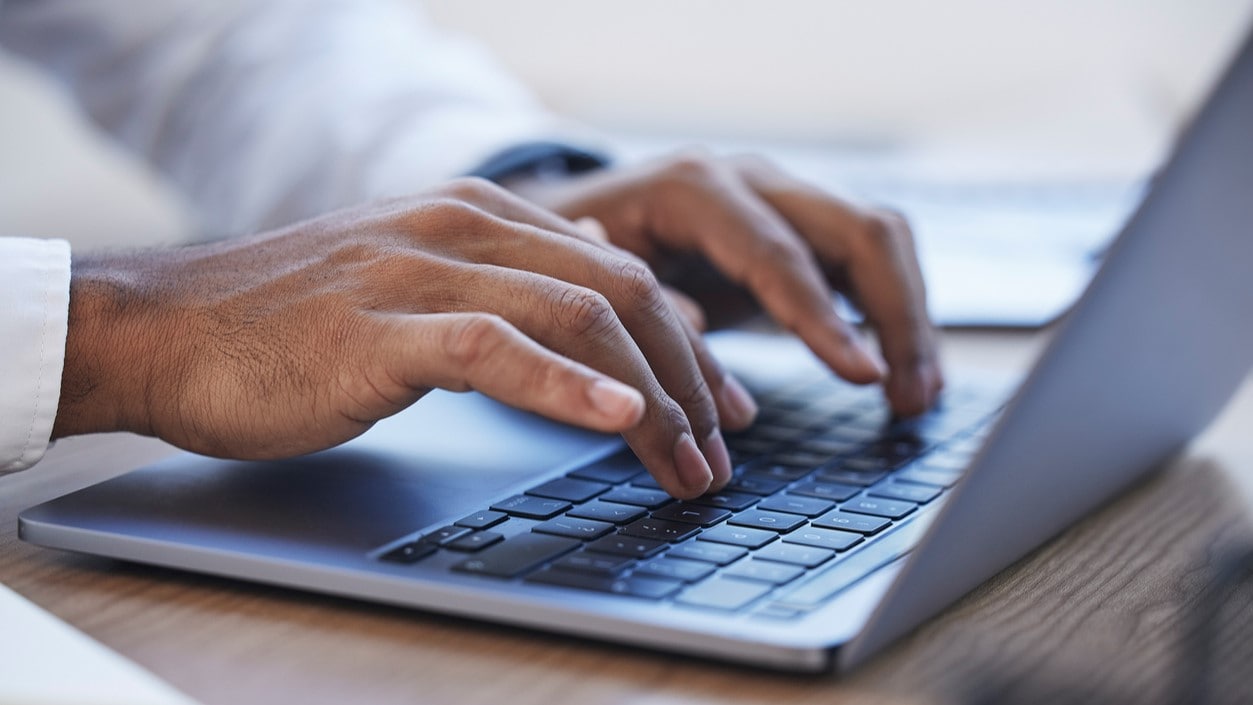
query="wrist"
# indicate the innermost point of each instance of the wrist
(106, 381)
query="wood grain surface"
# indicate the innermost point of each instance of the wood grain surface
(1104, 613)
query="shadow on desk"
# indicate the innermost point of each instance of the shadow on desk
(1101, 614)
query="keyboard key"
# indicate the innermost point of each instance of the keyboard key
(774, 521)
(718, 553)
(807, 556)
(724, 594)
(737, 536)
(614, 470)
(799, 459)
(824, 538)
(689, 513)
(574, 528)
(955, 456)
(831, 581)
(630, 546)
(833, 491)
(890, 508)
(789, 503)
(909, 493)
(531, 507)
(482, 520)
(828, 447)
(517, 555)
(765, 571)
(779, 612)
(411, 552)
(445, 535)
(571, 489)
(875, 418)
(597, 563)
(751, 446)
(660, 529)
(607, 511)
(866, 465)
(923, 475)
(646, 588)
(852, 434)
(783, 473)
(675, 569)
(755, 485)
(735, 501)
(849, 477)
(893, 452)
(638, 496)
(645, 480)
(776, 433)
(861, 523)
(476, 541)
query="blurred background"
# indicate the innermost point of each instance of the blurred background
(848, 93)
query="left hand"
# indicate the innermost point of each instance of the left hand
(788, 243)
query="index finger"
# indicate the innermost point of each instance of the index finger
(756, 247)
(877, 251)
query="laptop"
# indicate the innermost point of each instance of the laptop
(843, 528)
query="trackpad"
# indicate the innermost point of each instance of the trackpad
(445, 457)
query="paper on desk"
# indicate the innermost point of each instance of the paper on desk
(44, 661)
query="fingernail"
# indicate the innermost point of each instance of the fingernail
(694, 473)
(615, 400)
(719, 459)
(860, 354)
(738, 401)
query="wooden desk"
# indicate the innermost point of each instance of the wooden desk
(1099, 614)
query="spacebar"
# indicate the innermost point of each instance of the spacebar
(517, 555)
(814, 593)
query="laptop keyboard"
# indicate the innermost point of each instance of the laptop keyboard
(826, 488)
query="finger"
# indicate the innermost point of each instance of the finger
(593, 229)
(736, 407)
(639, 303)
(462, 352)
(677, 439)
(879, 258)
(884, 271)
(717, 213)
(510, 207)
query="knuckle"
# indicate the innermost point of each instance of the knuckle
(453, 212)
(583, 312)
(884, 229)
(635, 281)
(782, 253)
(692, 166)
(669, 414)
(694, 395)
(475, 338)
(470, 188)
(549, 375)
(753, 162)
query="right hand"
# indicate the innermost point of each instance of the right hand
(297, 340)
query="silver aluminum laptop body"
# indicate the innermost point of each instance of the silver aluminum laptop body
(1148, 357)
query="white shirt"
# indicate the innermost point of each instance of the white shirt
(260, 113)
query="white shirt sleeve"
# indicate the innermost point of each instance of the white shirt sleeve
(263, 113)
(34, 306)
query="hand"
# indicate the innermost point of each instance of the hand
(787, 243)
(297, 340)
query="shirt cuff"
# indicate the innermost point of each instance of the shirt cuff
(540, 159)
(34, 311)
